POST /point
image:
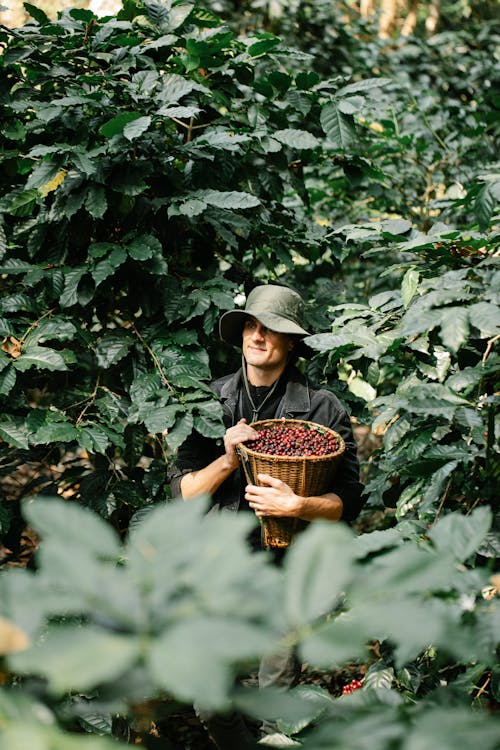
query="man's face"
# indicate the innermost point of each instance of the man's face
(265, 349)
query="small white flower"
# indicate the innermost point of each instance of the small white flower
(468, 602)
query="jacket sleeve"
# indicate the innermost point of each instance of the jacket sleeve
(346, 482)
(194, 453)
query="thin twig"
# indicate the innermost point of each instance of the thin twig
(489, 348)
(443, 500)
(474, 505)
(151, 354)
(483, 687)
(35, 324)
(190, 126)
(90, 400)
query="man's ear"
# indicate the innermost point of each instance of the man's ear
(291, 344)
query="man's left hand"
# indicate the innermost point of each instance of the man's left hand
(276, 498)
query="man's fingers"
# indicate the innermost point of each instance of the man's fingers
(271, 481)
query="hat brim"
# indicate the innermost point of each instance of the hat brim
(231, 328)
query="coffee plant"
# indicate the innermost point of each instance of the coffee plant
(155, 165)
(176, 613)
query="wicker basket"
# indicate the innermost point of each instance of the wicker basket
(306, 475)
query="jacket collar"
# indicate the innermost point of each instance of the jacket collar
(296, 401)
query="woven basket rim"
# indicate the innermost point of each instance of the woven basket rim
(287, 422)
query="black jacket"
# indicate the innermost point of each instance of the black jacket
(301, 400)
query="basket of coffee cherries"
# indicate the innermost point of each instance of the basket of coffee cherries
(301, 453)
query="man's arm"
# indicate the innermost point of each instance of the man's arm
(276, 498)
(208, 479)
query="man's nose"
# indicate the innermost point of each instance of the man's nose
(258, 332)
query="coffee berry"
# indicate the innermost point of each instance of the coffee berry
(294, 441)
(352, 686)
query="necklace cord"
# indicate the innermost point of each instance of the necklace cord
(256, 410)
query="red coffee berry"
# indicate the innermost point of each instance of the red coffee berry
(294, 441)
(351, 686)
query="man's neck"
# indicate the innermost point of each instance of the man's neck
(259, 377)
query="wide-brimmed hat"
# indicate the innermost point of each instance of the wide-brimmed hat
(279, 308)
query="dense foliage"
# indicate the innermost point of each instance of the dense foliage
(155, 164)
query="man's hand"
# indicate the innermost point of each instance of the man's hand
(275, 499)
(234, 435)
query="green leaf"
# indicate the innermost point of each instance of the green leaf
(82, 14)
(77, 526)
(230, 200)
(162, 418)
(72, 279)
(136, 128)
(38, 736)
(395, 227)
(15, 265)
(8, 379)
(178, 14)
(93, 439)
(485, 206)
(225, 140)
(264, 45)
(113, 347)
(52, 328)
(333, 642)
(179, 111)
(176, 87)
(299, 139)
(23, 203)
(78, 658)
(3, 239)
(96, 202)
(117, 124)
(452, 728)
(208, 420)
(176, 651)
(307, 79)
(368, 84)
(485, 316)
(54, 431)
(362, 389)
(144, 246)
(454, 327)
(193, 207)
(379, 676)
(43, 172)
(40, 357)
(460, 535)
(316, 698)
(14, 130)
(109, 265)
(337, 126)
(14, 432)
(181, 430)
(317, 568)
(36, 13)
(434, 488)
(96, 723)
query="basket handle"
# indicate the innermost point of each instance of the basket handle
(246, 465)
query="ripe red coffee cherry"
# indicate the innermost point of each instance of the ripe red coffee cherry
(294, 441)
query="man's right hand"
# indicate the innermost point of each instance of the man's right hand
(240, 432)
(209, 479)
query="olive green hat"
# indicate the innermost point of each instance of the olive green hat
(277, 307)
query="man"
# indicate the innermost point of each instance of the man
(268, 385)
(269, 331)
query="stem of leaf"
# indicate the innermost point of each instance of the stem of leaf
(152, 355)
